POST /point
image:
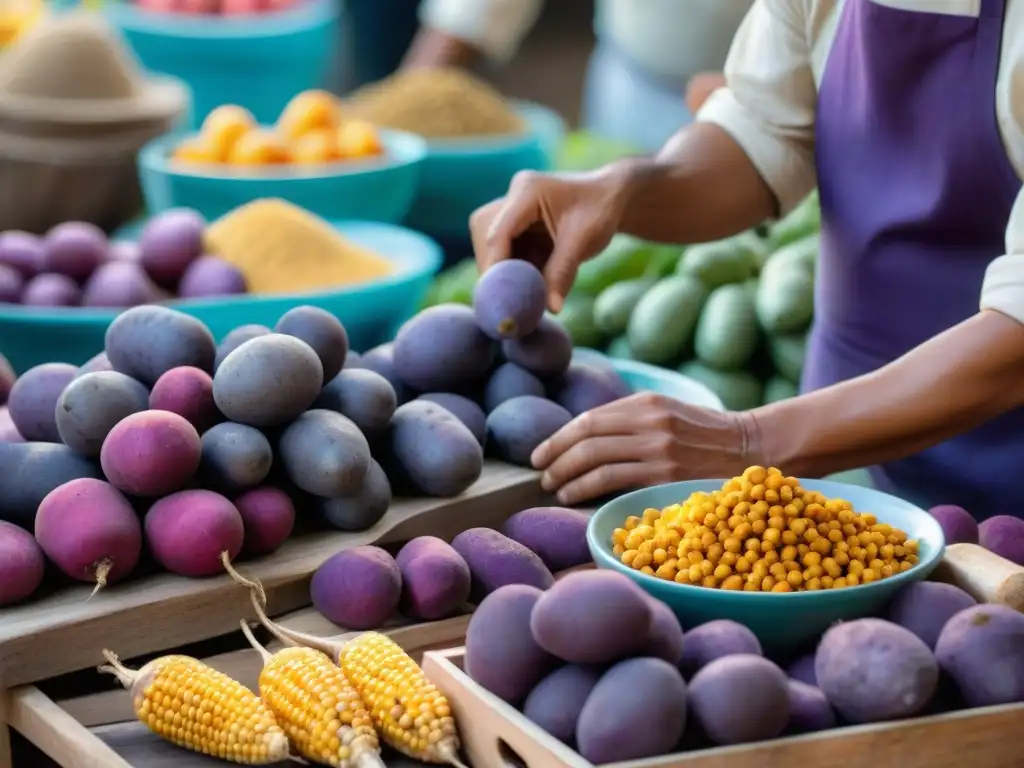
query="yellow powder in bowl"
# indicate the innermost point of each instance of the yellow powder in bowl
(281, 248)
(436, 104)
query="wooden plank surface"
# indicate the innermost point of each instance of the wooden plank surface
(64, 632)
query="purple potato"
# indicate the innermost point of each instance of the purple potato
(123, 250)
(958, 525)
(558, 535)
(92, 405)
(556, 702)
(31, 471)
(516, 427)
(170, 242)
(442, 350)
(95, 364)
(51, 290)
(33, 401)
(11, 285)
(363, 509)
(268, 516)
(189, 531)
(381, 360)
(234, 457)
(740, 699)
(8, 432)
(714, 640)
(509, 299)
(7, 378)
(982, 650)
(237, 338)
(435, 578)
(501, 653)
(463, 409)
(22, 564)
(211, 276)
(322, 331)
(583, 388)
(357, 588)
(325, 454)
(147, 341)
(638, 709)
(23, 251)
(151, 454)
(120, 284)
(364, 396)
(809, 710)
(1003, 535)
(353, 360)
(802, 670)
(75, 249)
(924, 607)
(496, 561)
(188, 392)
(508, 381)
(432, 451)
(665, 640)
(873, 670)
(593, 617)
(546, 352)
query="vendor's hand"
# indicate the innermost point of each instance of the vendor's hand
(565, 218)
(643, 440)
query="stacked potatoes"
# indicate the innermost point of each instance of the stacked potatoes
(605, 668)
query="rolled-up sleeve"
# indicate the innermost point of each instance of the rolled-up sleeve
(496, 27)
(1003, 289)
(768, 104)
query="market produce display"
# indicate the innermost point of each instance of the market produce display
(216, 7)
(763, 532)
(1002, 534)
(732, 314)
(313, 129)
(438, 103)
(605, 668)
(75, 265)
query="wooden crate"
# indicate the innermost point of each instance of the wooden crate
(496, 735)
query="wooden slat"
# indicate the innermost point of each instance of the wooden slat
(6, 759)
(65, 633)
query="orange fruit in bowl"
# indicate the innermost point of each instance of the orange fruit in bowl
(357, 139)
(309, 111)
(316, 147)
(259, 147)
(196, 150)
(224, 126)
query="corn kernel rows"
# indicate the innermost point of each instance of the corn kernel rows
(763, 532)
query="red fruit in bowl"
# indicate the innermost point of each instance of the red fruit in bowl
(158, 6)
(198, 6)
(239, 7)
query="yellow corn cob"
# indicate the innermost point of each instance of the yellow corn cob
(316, 707)
(196, 707)
(410, 713)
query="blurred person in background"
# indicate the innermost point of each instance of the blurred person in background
(636, 84)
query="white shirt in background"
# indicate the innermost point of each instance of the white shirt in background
(673, 38)
(773, 73)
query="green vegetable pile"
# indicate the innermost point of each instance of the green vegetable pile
(733, 314)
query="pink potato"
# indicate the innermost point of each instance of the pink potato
(268, 516)
(23, 251)
(170, 242)
(357, 588)
(11, 285)
(188, 392)
(211, 276)
(435, 578)
(89, 530)
(120, 284)
(189, 531)
(152, 453)
(1003, 535)
(51, 290)
(958, 525)
(75, 249)
(22, 565)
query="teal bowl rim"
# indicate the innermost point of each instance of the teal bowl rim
(433, 258)
(603, 558)
(535, 115)
(401, 150)
(307, 14)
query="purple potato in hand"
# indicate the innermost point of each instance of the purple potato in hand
(210, 276)
(11, 285)
(75, 249)
(120, 284)
(51, 290)
(169, 243)
(23, 251)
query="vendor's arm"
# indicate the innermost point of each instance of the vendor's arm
(948, 385)
(458, 32)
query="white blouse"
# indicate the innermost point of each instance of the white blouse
(773, 71)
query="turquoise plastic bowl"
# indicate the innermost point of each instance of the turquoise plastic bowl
(642, 377)
(460, 175)
(377, 189)
(371, 313)
(257, 62)
(780, 620)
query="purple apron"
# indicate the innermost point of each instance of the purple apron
(916, 191)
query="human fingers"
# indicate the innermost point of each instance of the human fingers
(608, 420)
(589, 454)
(511, 217)
(578, 239)
(611, 478)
